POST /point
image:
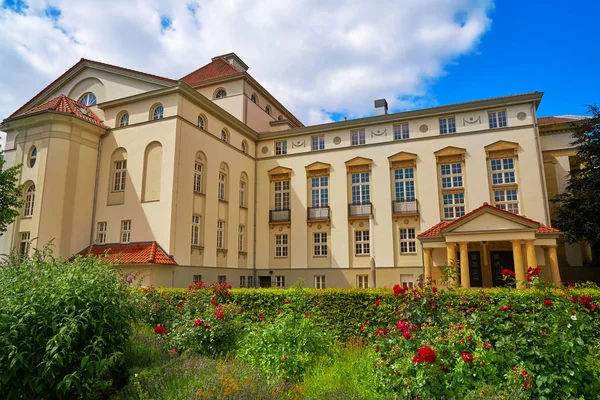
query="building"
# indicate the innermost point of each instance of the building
(210, 177)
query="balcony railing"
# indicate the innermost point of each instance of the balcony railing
(405, 207)
(319, 213)
(279, 215)
(359, 210)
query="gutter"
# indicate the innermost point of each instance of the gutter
(254, 222)
(538, 146)
(95, 200)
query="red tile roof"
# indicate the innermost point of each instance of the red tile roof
(65, 105)
(215, 69)
(436, 230)
(131, 253)
(554, 120)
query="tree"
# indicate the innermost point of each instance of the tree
(578, 207)
(11, 194)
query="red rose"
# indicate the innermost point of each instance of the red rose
(417, 359)
(286, 302)
(406, 334)
(504, 308)
(173, 350)
(488, 346)
(279, 312)
(427, 354)
(434, 289)
(376, 349)
(307, 315)
(198, 322)
(377, 302)
(362, 328)
(261, 316)
(548, 302)
(214, 300)
(399, 290)
(594, 307)
(181, 303)
(160, 330)
(467, 357)
(219, 315)
(284, 358)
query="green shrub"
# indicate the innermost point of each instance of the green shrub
(63, 326)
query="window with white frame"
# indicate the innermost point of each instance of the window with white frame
(452, 175)
(401, 132)
(24, 242)
(408, 241)
(242, 194)
(279, 281)
(201, 122)
(88, 99)
(196, 278)
(101, 233)
(362, 281)
(361, 192)
(318, 142)
(158, 112)
(281, 148)
(282, 195)
(319, 281)
(243, 281)
(454, 205)
(124, 120)
(224, 135)
(220, 234)
(320, 244)
(32, 157)
(357, 137)
(221, 93)
(222, 278)
(198, 171)
(404, 184)
(242, 238)
(250, 281)
(497, 119)
(281, 246)
(319, 191)
(447, 125)
(222, 186)
(507, 199)
(407, 280)
(29, 201)
(503, 171)
(126, 231)
(361, 243)
(119, 176)
(195, 230)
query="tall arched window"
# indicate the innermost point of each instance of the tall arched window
(32, 158)
(268, 110)
(201, 122)
(220, 93)
(88, 99)
(244, 146)
(254, 98)
(152, 172)
(224, 135)
(199, 172)
(223, 173)
(29, 200)
(124, 119)
(158, 111)
(244, 190)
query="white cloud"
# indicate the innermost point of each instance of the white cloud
(316, 57)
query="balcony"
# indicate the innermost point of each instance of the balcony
(362, 210)
(279, 216)
(405, 207)
(319, 213)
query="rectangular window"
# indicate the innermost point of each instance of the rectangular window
(361, 243)
(119, 176)
(242, 281)
(242, 194)
(280, 148)
(281, 246)
(404, 184)
(220, 233)
(507, 200)
(126, 231)
(408, 242)
(222, 186)
(319, 191)
(198, 177)
(454, 205)
(29, 201)
(497, 119)
(447, 125)
(319, 281)
(362, 281)
(407, 280)
(241, 238)
(222, 278)
(401, 132)
(360, 188)
(282, 195)
(197, 278)
(195, 230)
(320, 244)
(280, 281)
(24, 242)
(452, 176)
(503, 171)
(318, 142)
(250, 281)
(357, 137)
(101, 234)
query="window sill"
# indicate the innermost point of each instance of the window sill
(199, 193)
(408, 254)
(223, 201)
(362, 255)
(242, 253)
(150, 201)
(280, 258)
(223, 251)
(244, 207)
(28, 217)
(320, 256)
(197, 246)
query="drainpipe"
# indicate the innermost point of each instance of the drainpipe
(538, 146)
(373, 280)
(254, 222)
(94, 205)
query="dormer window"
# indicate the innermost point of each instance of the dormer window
(221, 93)
(88, 99)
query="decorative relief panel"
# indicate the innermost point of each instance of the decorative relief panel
(337, 140)
(379, 133)
(299, 143)
(423, 128)
(265, 150)
(471, 121)
(521, 116)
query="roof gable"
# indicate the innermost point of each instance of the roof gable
(64, 105)
(131, 253)
(218, 68)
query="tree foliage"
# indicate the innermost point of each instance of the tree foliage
(11, 194)
(578, 207)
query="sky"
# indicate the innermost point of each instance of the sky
(324, 60)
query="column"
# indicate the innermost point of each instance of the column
(518, 260)
(451, 258)
(464, 265)
(373, 277)
(486, 269)
(554, 263)
(428, 259)
(531, 257)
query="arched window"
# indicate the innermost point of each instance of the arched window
(119, 170)
(244, 190)
(152, 172)
(244, 146)
(223, 172)
(158, 111)
(268, 110)
(32, 158)
(254, 98)
(199, 172)
(124, 119)
(220, 93)
(224, 135)
(201, 122)
(29, 200)
(88, 99)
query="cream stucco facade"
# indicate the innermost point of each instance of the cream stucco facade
(230, 185)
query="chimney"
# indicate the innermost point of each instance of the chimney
(234, 60)
(381, 107)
